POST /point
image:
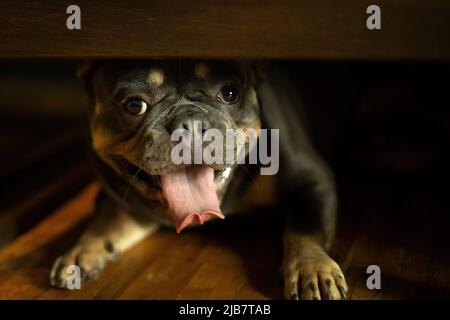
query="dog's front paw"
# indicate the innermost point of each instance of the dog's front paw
(313, 276)
(91, 257)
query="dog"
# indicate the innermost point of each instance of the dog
(136, 105)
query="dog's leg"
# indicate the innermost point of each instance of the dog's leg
(308, 271)
(308, 193)
(111, 233)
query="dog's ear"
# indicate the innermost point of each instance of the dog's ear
(85, 71)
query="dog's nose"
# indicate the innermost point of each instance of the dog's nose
(191, 123)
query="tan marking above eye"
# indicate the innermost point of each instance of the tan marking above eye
(156, 77)
(201, 71)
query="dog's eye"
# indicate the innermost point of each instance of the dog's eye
(135, 107)
(228, 94)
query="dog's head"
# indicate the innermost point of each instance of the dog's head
(137, 105)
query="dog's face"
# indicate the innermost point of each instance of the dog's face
(138, 104)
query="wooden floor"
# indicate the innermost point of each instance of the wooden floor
(397, 222)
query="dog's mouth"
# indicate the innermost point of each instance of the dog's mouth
(189, 192)
(135, 174)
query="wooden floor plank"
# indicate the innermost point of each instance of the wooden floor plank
(37, 248)
(16, 219)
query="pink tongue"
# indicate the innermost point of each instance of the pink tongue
(191, 195)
